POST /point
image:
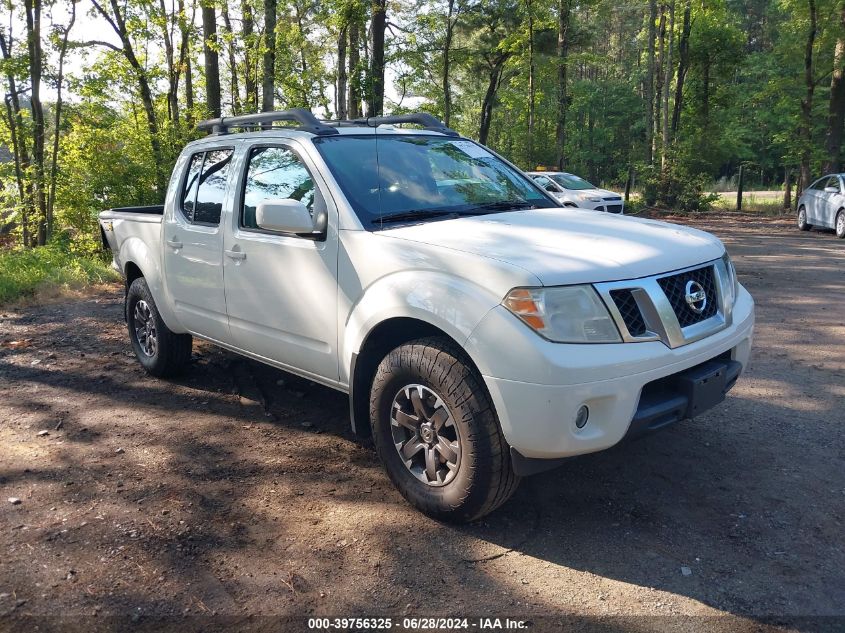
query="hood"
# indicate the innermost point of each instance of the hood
(570, 246)
(593, 193)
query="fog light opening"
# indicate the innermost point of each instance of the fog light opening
(582, 416)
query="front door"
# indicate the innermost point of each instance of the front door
(281, 289)
(193, 244)
(829, 202)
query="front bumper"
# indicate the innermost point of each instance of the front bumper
(613, 380)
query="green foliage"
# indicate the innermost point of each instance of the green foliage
(676, 189)
(26, 272)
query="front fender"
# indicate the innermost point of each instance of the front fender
(135, 251)
(452, 304)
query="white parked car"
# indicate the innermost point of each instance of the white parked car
(574, 191)
(822, 204)
(482, 332)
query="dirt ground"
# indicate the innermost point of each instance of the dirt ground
(239, 492)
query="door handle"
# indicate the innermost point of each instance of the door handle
(236, 255)
(174, 243)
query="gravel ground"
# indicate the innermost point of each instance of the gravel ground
(238, 491)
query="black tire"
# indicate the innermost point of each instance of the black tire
(802, 219)
(840, 224)
(483, 478)
(165, 353)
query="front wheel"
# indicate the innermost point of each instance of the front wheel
(802, 219)
(437, 434)
(161, 352)
(840, 224)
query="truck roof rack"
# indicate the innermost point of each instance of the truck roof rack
(426, 120)
(307, 122)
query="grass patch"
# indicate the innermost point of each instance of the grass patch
(29, 272)
(759, 202)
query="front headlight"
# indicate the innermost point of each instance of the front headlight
(588, 197)
(568, 314)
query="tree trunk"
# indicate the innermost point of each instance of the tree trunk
(212, 63)
(268, 83)
(787, 189)
(33, 32)
(805, 129)
(836, 110)
(667, 85)
(57, 122)
(658, 80)
(306, 83)
(562, 96)
(447, 59)
(683, 66)
(649, 82)
(233, 59)
(19, 146)
(353, 106)
(185, 58)
(172, 67)
(532, 90)
(340, 95)
(375, 101)
(250, 71)
(494, 81)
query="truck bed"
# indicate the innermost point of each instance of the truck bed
(153, 209)
(120, 223)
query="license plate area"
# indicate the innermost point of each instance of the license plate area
(703, 386)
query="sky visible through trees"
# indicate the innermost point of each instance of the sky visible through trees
(101, 95)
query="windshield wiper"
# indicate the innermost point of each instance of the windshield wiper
(421, 214)
(504, 205)
(477, 209)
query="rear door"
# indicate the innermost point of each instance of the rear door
(281, 289)
(193, 243)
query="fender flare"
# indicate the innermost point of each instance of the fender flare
(135, 251)
(436, 301)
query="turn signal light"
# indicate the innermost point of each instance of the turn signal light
(521, 302)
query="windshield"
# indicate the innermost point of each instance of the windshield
(412, 178)
(571, 182)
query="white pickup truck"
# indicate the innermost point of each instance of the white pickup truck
(482, 332)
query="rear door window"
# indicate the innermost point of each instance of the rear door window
(189, 191)
(205, 186)
(212, 188)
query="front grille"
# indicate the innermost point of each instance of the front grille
(611, 198)
(614, 208)
(630, 311)
(675, 288)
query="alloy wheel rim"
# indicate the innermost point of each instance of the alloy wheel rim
(801, 217)
(145, 328)
(425, 435)
(840, 224)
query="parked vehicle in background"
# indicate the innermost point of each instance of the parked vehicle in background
(482, 332)
(822, 204)
(574, 191)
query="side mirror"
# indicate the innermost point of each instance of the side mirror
(831, 189)
(284, 215)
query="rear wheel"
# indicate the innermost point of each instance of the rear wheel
(802, 219)
(437, 434)
(840, 224)
(161, 352)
